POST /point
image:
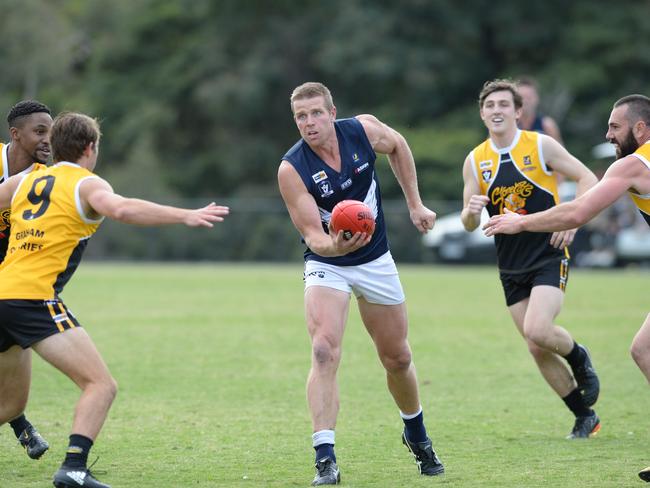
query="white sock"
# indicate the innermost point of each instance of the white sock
(323, 437)
(410, 415)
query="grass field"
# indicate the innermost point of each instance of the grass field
(212, 359)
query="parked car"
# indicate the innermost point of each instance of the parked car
(451, 243)
(633, 245)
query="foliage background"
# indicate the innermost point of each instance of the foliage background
(193, 94)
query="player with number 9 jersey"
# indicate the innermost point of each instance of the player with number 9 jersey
(49, 233)
(53, 214)
(5, 212)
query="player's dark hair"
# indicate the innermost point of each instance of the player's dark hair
(638, 108)
(500, 85)
(71, 133)
(24, 108)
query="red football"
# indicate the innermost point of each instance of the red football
(352, 216)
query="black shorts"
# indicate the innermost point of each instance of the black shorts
(26, 322)
(517, 286)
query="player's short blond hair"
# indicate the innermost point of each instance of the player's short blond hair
(312, 89)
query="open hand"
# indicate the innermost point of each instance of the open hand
(506, 223)
(204, 217)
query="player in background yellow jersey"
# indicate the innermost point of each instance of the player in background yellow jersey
(28, 150)
(629, 130)
(516, 170)
(53, 214)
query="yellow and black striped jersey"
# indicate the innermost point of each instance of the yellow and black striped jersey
(643, 201)
(517, 178)
(49, 232)
(4, 213)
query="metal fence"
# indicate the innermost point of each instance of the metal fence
(259, 229)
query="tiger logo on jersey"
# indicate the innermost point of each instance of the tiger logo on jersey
(512, 197)
(5, 215)
(521, 182)
(515, 203)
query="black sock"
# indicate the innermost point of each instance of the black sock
(576, 357)
(19, 424)
(576, 404)
(77, 454)
(325, 450)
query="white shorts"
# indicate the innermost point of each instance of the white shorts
(376, 281)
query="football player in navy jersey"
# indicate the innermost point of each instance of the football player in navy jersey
(530, 118)
(335, 160)
(516, 170)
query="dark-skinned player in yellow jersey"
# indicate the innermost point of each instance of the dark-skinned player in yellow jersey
(28, 150)
(54, 213)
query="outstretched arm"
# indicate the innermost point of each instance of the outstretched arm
(386, 140)
(564, 163)
(619, 178)
(99, 199)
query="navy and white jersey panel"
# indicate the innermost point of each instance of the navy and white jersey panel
(357, 180)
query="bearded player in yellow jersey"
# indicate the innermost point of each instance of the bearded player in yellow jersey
(629, 130)
(54, 212)
(516, 170)
(29, 149)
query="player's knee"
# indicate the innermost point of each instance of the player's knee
(397, 362)
(106, 387)
(103, 383)
(535, 350)
(639, 352)
(324, 352)
(111, 388)
(537, 338)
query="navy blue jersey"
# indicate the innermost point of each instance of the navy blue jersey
(357, 180)
(537, 125)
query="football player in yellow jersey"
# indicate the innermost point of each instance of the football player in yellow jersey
(53, 214)
(516, 170)
(29, 149)
(629, 130)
